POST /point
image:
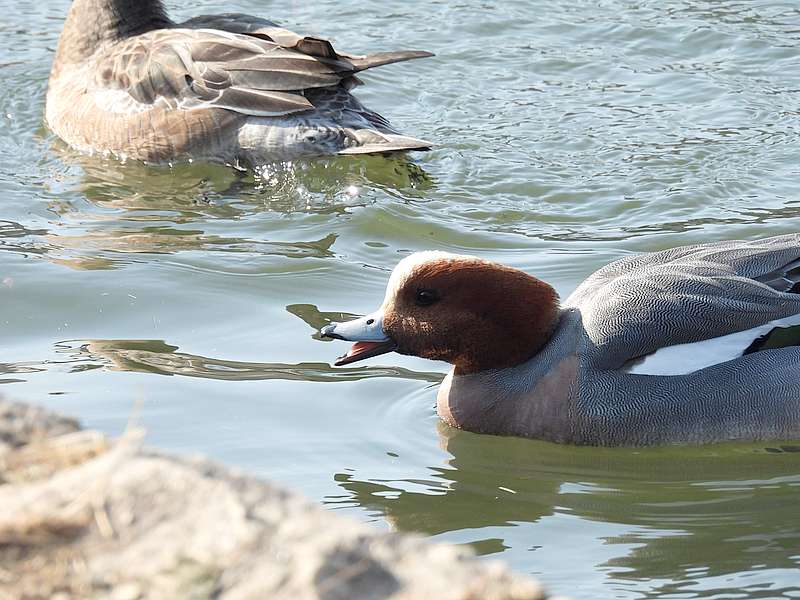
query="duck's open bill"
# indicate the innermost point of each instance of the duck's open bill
(366, 332)
(362, 350)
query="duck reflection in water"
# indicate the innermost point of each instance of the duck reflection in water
(670, 513)
(134, 208)
(160, 358)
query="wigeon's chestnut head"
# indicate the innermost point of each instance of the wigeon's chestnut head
(473, 313)
(694, 344)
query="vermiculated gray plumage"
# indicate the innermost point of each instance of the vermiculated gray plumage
(633, 307)
(636, 305)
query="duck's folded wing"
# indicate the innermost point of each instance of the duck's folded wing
(310, 45)
(635, 306)
(203, 68)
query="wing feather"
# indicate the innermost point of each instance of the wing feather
(635, 306)
(260, 103)
(235, 62)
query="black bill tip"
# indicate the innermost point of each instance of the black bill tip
(329, 331)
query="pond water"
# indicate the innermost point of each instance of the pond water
(568, 134)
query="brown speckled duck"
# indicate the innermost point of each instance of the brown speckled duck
(232, 88)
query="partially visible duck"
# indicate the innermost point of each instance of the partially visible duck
(128, 81)
(690, 345)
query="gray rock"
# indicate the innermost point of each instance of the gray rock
(22, 423)
(129, 523)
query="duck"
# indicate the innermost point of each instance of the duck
(690, 345)
(129, 82)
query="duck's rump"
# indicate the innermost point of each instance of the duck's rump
(339, 124)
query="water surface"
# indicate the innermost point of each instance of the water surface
(568, 134)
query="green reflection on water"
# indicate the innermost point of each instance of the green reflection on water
(713, 510)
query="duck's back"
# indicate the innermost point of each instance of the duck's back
(636, 305)
(692, 295)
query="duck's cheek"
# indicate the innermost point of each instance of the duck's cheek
(406, 343)
(396, 328)
(431, 349)
(413, 336)
(405, 351)
(409, 345)
(418, 352)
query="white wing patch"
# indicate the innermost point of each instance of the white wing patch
(681, 359)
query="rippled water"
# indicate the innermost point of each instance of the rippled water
(568, 134)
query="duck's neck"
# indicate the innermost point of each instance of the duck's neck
(92, 23)
(532, 399)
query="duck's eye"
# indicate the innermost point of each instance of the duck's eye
(426, 297)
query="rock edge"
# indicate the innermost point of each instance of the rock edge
(88, 517)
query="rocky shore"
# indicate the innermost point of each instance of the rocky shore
(85, 516)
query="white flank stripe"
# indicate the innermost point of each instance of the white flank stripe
(681, 359)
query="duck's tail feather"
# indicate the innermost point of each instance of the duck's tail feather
(375, 142)
(385, 58)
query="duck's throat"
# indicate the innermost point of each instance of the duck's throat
(512, 401)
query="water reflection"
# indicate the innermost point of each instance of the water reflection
(337, 178)
(159, 358)
(101, 250)
(317, 319)
(690, 512)
(15, 237)
(188, 191)
(105, 248)
(133, 208)
(18, 368)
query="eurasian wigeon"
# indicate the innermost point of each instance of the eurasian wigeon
(690, 345)
(128, 81)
